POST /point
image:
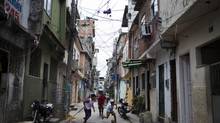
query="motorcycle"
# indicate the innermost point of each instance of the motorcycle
(124, 109)
(41, 111)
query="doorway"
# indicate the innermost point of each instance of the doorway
(209, 54)
(4, 62)
(45, 82)
(186, 85)
(148, 90)
(161, 94)
(174, 113)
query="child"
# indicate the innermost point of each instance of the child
(88, 104)
(110, 110)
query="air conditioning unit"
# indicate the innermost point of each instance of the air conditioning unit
(128, 16)
(146, 30)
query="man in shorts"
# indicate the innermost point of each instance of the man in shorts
(110, 110)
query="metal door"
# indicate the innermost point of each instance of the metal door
(3, 84)
(161, 94)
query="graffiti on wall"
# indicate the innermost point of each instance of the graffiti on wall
(13, 8)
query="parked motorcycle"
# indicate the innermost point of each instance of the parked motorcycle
(123, 109)
(41, 111)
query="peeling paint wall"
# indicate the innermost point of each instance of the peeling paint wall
(14, 81)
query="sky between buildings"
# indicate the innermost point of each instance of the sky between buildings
(107, 26)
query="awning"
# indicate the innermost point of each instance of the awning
(132, 63)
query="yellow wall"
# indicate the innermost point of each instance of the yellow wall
(129, 96)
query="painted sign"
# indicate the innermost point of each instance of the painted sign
(13, 8)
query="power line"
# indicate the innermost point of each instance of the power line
(96, 10)
(163, 20)
(102, 17)
(101, 8)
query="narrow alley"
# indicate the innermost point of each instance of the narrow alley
(95, 118)
(159, 60)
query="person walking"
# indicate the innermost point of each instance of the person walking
(101, 102)
(88, 105)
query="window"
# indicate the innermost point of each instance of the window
(137, 82)
(74, 54)
(208, 53)
(154, 7)
(47, 6)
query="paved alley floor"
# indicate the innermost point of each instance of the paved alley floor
(95, 118)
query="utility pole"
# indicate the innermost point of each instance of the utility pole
(72, 37)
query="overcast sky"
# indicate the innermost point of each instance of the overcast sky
(106, 27)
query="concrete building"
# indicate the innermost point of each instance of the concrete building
(77, 72)
(86, 34)
(44, 74)
(86, 28)
(181, 81)
(196, 58)
(14, 44)
(109, 73)
(120, 71)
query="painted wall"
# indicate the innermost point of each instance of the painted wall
(34, 84)
(171, 10)
(123, 88)
(196, 36)
(54, 21)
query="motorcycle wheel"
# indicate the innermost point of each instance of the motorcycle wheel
(35, 116)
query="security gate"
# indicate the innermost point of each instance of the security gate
(3, 84)
(215, 91)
